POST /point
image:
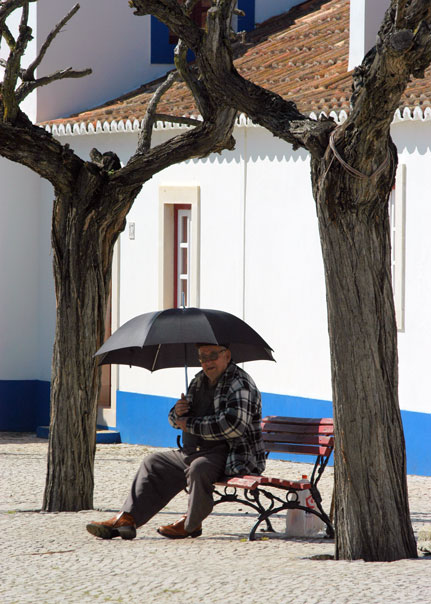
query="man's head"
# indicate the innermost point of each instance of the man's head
(214, 359)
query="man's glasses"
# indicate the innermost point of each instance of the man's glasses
(211, 356)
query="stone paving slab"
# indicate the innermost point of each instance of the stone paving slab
(50, 558)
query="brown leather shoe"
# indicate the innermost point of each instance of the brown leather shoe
(122, 525)
(177, 530)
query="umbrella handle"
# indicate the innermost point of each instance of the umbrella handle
(183, 300)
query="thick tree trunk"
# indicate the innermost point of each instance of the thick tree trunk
(371, 503)
(83, 241)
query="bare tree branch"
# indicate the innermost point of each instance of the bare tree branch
(29, 72)
(7, 7)
(3, 63)
(107, 161)
(207, 137)
(144, 142)
(219, 79)
(12, 95)
(212, 134)
(13, 68)
(7, 35)
(266, 108)
(37, 149)
(195, 84)
(26, 88)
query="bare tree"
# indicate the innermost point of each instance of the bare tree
(92, 199)
(352, 172)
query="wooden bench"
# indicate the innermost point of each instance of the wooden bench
(304, 436)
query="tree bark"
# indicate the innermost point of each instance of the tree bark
(84, 231)
(371, 502)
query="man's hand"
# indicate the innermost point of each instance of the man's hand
(181, 423)
(182, 406)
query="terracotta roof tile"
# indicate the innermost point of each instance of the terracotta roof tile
(302, 55)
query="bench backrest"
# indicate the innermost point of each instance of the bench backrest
(299, 435)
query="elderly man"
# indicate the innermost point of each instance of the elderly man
(220, 419)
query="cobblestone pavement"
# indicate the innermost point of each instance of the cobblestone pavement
(50, 558)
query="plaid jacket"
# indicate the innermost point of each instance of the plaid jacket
(237, 417)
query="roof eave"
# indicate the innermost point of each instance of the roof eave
(83, 128)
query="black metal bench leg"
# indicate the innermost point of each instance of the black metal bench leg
(251, 499)
(264, 516)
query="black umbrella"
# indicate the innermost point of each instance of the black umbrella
(168, 338)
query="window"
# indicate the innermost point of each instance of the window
(163, 42)
(179, 245)
(397, 227)
(182, 255)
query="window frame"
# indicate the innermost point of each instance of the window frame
(170, 196)
(180, 212)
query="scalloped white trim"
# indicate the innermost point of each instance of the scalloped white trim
(82, 128)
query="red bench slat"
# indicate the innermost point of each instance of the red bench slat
(251, 482)
(304, 436)
(303, 485)
(241, 482)
(276, 423)
(296, 429)
(297, 449)
(281, 419)
(315, 439)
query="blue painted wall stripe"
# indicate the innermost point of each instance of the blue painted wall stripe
(24, 404)
(142, 419)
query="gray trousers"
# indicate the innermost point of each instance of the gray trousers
(163, 475)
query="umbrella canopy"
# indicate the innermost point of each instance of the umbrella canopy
(168, 338)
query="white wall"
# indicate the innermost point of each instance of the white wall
(285, 293)
(104, 35)
(365, 19)
(414, 148)
(27, 302)
(19, 272)
(46, 291)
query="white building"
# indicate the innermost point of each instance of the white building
(253, 244)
